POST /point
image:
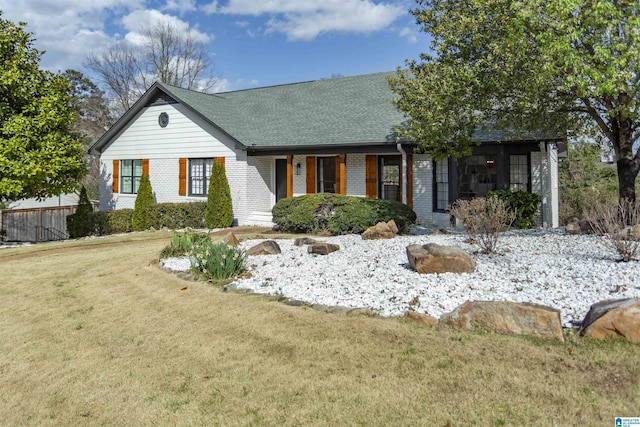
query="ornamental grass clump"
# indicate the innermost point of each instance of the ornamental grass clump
(483, 219)
(183, 243)
(218, 261)
(616, 223)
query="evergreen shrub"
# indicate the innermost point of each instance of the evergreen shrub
(219, 212)
(81, 223)
(113, 222)
(144, 200)
(338, 214)
(523, 204)
(177, 215)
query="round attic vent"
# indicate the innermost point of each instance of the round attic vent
(163, 120)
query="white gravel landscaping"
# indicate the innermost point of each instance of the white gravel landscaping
(540, 266)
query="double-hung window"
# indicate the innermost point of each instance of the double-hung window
(199, 175)
(519, 172)
(130, 173)
(441, 190)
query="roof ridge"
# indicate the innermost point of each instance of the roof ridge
(273, 86)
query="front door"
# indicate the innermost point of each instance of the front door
(281, 179)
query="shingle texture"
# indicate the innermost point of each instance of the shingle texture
(348, 110)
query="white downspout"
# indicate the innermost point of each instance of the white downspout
(552, 160)
(404, 172)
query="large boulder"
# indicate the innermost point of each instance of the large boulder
(579, 227)
(382, 230)
(231, 239)
(613, 318)
(301, 241)
(434, 258)
(268, 247)
(507, 317)
(322, 248)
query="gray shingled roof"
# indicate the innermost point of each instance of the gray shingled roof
(348, 110)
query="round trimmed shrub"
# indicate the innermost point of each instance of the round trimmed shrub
(338, 214)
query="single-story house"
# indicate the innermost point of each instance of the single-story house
(331, 135)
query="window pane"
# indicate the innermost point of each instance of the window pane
(518, 172)
(137, 168)
(390, 177)
(126, 168)
(326, 174)
(199, 174)
(442, 184)
(478, 175)
(126, 184)
(137, 184)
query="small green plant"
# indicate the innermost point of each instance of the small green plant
(218, 260)
(483, 219)
(522, 203)
(219, 213)
(183, 243)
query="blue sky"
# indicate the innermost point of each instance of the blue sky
(254, 42)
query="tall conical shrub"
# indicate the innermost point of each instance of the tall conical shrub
(219, 213)
(82, 221)
(144, 199)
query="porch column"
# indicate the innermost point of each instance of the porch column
(289, 176)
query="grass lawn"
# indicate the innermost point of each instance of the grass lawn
(92, 334)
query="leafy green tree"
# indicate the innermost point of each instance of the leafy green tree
(144, 199)
(583, 182)
(219, 213)
(543, 66)
(39, 155)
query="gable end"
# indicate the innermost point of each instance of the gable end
(161, 99)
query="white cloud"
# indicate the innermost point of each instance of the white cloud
(180, 6)
(66, 30)
(138, 19)
(409, 34)
(224, 85)
(305, 20)
(210, 8)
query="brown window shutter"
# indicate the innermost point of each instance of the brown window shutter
(289, 176)
(341, 174)
(220, 161)
(371, 165)
(410, 180)
(182, 177)
(115, 186)
(145, 167)
(311, 175)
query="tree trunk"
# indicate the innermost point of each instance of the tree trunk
(627, 164)
(627, 173)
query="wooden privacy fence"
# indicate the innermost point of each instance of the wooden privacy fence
(35, 225)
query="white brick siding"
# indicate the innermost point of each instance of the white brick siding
(423, 188)
(356, 175)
